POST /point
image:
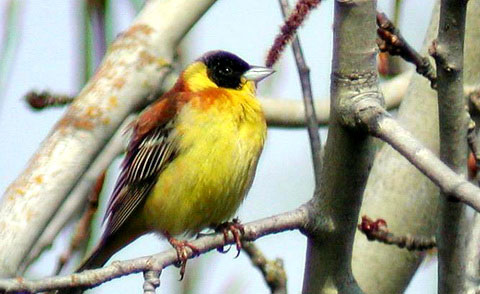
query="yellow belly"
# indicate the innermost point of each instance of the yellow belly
(218, 153)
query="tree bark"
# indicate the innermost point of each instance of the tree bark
(348, 152)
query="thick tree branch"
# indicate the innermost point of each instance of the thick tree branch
(292, 220)
(134, 66)
(452, 234)
(348, 152)
(77, 198)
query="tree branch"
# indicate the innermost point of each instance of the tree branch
(377, 231)
(272, 270)
(392, 41)
(348, 152)
(152, 281)
(290, 113)
(82, 231)
(452, 235)
(136, 63)
(76, 199)
(292, 220)
(380, 124)
(310, 115)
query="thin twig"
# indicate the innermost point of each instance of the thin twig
(82, 229)
(152, 281)
(272, 270)
(292, 220)
(289, 28)
(377, 230)
(40, 100)
(392, 41)
(310, 115)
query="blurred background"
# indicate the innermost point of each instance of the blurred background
(47, 45)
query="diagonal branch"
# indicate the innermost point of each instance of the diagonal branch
(292, 220)
(310, 115)
(272, 270)
(76, 199)
(392, 41)
(380, 124)
(82, 231)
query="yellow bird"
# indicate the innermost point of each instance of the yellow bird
(191, 159)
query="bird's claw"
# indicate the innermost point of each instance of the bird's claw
(237, 230)
(182, 253)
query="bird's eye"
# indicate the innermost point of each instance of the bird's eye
(225, 70)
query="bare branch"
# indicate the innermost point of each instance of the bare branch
(82, 230)
(292, 220)
(272, 270)
(310, 115)
(383, 126)
(454, 225)
(152, 281)
(377, 230)
(348, 152)
(75, 201)
(392, 41)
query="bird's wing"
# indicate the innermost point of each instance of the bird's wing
(151, 149)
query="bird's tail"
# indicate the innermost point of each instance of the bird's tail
(99, 256)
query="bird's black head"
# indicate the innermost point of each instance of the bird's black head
(225, 69)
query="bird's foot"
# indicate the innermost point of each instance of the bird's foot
(237, 230)
(182, 253)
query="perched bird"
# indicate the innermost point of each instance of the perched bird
(191, 159)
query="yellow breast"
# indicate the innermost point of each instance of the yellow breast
(220, 140)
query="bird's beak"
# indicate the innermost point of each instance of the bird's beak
(257, 73)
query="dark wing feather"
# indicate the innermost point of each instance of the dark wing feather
(151, 149)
